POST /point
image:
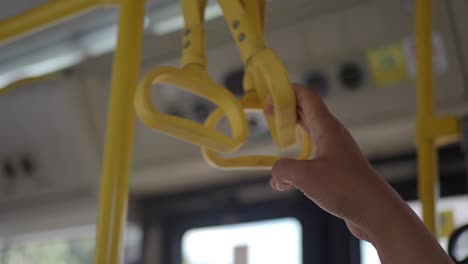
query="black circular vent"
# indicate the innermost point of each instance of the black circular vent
(234, 82)
(351, 76)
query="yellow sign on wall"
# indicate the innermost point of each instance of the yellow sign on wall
(447, 225)
(388, 65)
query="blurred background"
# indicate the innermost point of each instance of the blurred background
(360, 56)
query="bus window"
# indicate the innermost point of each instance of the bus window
(73, 245)
(272, 241)
(457, 209)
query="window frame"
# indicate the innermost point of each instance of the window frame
(325, 239)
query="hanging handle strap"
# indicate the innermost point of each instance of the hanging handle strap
(193, 79)
(265, 73)
(245, 25)
(194, 39)
(259, 162)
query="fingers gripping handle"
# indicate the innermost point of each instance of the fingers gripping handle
(270, 78)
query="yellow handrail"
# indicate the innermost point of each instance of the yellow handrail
(113, 198)
(429, 127)
(46, 15)
(427, 156)
(24, 82)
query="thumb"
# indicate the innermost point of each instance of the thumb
(297, 173)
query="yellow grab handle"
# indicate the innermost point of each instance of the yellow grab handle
(267, 73)
(26, 82)
(270, 78)
(194, 79)
(250, 103)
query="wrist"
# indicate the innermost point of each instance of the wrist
(401, 237)
(390, 218)
(388, 226)
(396, 224)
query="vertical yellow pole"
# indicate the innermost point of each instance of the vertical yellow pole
(120, 129)
(427, 155)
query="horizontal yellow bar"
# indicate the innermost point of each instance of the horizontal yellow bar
(46, 15)
(447, 130)
(24, 82)
(439, 127)
(446, 126)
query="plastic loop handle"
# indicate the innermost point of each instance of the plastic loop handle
(268, 75)
(193, 78)
(250, 103)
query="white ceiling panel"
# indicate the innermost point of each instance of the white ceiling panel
(41, 122)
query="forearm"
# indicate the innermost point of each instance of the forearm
(341, 181)
(402, 238)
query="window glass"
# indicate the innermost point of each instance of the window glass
(453, 212)
(274, 242)
(72, 246)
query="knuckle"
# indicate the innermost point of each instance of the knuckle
(278, 167)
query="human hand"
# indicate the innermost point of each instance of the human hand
(340, 179)
(342, 182)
